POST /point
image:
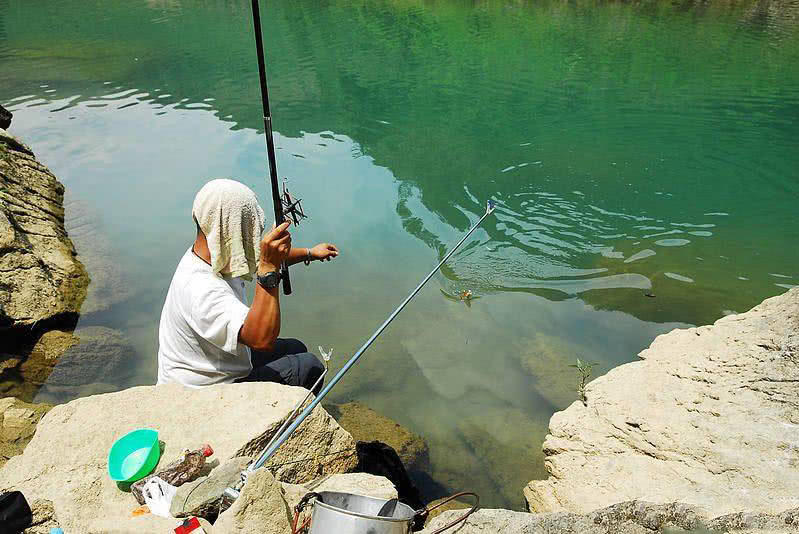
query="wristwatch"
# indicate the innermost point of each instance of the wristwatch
(269, 280)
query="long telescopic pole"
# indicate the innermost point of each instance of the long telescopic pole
(286, 433)
(270, 142)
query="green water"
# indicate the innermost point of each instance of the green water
(631, 148)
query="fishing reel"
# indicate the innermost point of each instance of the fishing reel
(292, 207)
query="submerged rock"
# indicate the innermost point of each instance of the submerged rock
(634, 517)
(43, 281)
(24, 372)
(548, 359)
(110, 284)
(88, 366)
(366, 424)
(507, 463)
(709, 417)
(66, 461)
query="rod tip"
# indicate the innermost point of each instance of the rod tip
(490, 206)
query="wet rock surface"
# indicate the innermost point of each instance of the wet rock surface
(633, 517)
(42, 280)
(709, 418)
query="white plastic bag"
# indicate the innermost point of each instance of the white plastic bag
(158, 496)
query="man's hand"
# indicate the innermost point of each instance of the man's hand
(275, 248)
(324, 251)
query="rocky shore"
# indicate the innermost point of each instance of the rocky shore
(43, 282)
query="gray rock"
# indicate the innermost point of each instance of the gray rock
(261, 508)
(709, 417)
(66, 461)
(633, 517)
(41, 277)
(202, 497)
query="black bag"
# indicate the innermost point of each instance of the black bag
(15, 514)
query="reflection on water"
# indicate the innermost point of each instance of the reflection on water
(643, 159)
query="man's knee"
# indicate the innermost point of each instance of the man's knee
(290, 346)
(311, 368)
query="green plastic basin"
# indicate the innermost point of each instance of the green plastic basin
(134, 455)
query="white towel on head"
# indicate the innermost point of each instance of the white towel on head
(232, 220)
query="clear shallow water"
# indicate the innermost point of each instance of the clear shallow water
(632, 149)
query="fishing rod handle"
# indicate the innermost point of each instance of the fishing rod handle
(284, 275)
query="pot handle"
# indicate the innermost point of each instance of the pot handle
(298, 510)
(424, 512)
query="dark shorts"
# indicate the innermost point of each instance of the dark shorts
(289, 363)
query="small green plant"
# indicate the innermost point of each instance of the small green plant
(584, 368)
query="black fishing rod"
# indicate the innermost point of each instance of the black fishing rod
(270, 142)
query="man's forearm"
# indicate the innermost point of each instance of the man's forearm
(297, 255)
(262, 324)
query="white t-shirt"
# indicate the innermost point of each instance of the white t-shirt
(198, 338)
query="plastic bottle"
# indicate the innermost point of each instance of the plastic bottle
(184, 469)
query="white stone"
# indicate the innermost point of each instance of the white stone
(709, 417)
(260, 508)
(66, 461)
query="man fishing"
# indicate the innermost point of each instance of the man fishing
(208, 334)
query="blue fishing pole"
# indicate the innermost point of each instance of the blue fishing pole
(233, 493)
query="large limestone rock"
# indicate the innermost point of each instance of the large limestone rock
(634, 517)
(709, 417)
(65, 462)
(18, 422)
(41, 278)
(260, 508)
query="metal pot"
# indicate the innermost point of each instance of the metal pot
(340, 513)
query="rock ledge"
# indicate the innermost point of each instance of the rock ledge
(709, 418)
